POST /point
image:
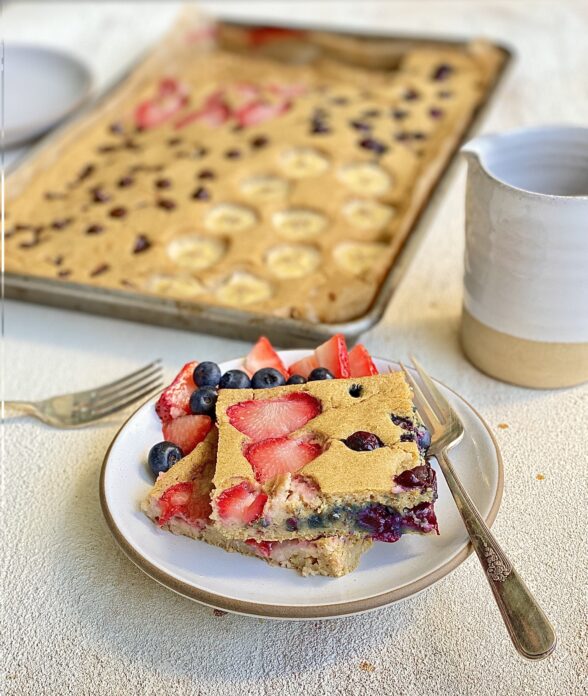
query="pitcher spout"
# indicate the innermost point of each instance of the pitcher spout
(476, 150)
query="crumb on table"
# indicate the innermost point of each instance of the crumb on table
(219, 612)
(366, 666)
(539, 477)
(503, 426)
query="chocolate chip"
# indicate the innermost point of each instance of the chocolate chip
(99, 270)
(99, 195)
(444, 94)
(163, 183)
(399, 114)
(107, 148)
(319, 127)
(87, 171)
(125, 182)
(442, 72)
(94, 229)
(201, 194)
(360, 125)
(118, 212)
(232, 154)
(340, 101)
(259, 141)
(61, 223)
(30, 243)
(419, 135)
(131, 145)
(199, 151)
(435, 112)
(402, 137)
(19, 227)
(116, 128)
(166, 203)
(371, 113)
(127, 283)
(63, 273)
(206, 174)
(142, 243)
(174, 141)
(407, 437)
(373, 145)
(411, 95)
(57, 260)
(54, 196)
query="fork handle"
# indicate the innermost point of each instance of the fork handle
(528, 627)
(20, 406)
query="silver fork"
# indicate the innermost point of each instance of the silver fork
(80, 408)
(529, 629)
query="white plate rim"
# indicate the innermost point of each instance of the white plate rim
(322, 611)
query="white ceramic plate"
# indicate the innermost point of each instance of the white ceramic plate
(41, 87)
(387, 572)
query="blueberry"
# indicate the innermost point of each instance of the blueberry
(408, 437)
(207, 374)
(320, 373)
(419, 477)
(383, 523)
(315, 521)
(266, 378)
(296, 379)
(361, 441)
(374, 145)
(203, 401)
(423, 438)
(292, 524)
(163, 456)
(234, 379)
(404, 423)
(442, 72)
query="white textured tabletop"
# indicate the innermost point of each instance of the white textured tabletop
(79, 618)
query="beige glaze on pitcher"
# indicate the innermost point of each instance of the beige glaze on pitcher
(525, 313)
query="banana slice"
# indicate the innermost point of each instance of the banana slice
(243, 288)
(299, 223)
(178, 286)
(359, 257)
(265, 188)
(303, 162)
(292, 260)
(195, 251)
(367, 215)
(365, 178)
(230, 217)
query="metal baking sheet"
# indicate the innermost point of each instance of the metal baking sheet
(234, 323)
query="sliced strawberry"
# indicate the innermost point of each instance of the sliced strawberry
(361, 363)
(247, 92)
(304, 367)
(332, 354)
(171, 97)
(187, 431)
(258, 36)
(214, 112)
(241, 503)
(267, 418)
(175, 400)
(186, 501)
(279, 455)
(254, 113)
(263, 355)
(263, 548)
(288, 91)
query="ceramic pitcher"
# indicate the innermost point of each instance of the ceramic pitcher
(525, 310)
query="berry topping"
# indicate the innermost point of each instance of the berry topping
(421, 518)
(360, 362)
(373, 145)
(187, 431)
(207, 374)
(423, 437)
(263, 355)
(257, 112)
(185, 500)
(280, 455)
(304, 366)
(201, 194)
(442, 72)
(266, 378)
(296, 379)
(381, 522)
(175, 400)
(362, 441)
(291, 524)
(203, 402)
(333, 355)
(142, 243)
(262, 548)
(320, 373)
(234, 379)
(402, 421)
(271, 418)
(419, 477)
(163, 456)
(242, 503)
(171, 97)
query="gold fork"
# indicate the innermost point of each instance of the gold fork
(81, 408)
(529, 629)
